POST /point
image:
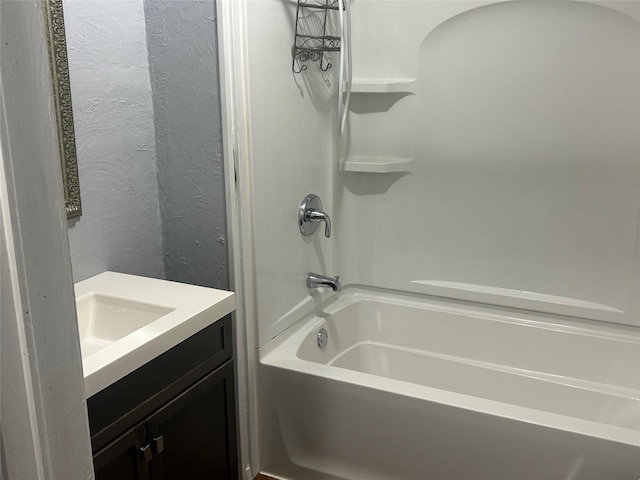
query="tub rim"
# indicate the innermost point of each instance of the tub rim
(282, 352)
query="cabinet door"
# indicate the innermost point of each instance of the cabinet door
(124, 458)
(194, 436)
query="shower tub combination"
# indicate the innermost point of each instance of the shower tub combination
(409, 387)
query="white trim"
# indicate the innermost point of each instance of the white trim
(19, 375)
(43, 366)
(233, 68)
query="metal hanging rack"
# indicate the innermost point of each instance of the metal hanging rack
(311, 38)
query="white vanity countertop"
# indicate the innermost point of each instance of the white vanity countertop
(126, 320)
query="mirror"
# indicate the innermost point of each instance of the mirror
(62, 100)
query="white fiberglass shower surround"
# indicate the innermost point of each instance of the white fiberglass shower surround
(485, 208)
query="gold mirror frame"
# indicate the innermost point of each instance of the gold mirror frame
(62, 98)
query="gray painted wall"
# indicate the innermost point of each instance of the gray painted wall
(184, 76)
(148, 130)
(120, 228)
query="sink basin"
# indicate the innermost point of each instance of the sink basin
(124, 321)
(104, 319)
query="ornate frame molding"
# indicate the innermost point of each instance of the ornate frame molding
(62, 97)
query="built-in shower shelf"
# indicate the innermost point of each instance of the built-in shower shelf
(383, 85)
(371, 164)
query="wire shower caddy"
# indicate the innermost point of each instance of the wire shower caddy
(312, 39)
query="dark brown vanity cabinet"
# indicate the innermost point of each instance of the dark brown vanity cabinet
(121, 459)
(185, 428)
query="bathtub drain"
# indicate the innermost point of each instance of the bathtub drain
(323, 336)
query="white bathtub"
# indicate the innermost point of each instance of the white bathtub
(414, 388)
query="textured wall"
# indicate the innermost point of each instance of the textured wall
(184, 76)
(120, 228)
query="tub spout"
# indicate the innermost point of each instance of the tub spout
(316, 280)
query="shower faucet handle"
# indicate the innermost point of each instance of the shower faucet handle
(310, 215)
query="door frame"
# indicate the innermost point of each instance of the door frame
(236, 134)
(41, 362)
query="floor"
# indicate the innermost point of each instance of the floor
(262, 476)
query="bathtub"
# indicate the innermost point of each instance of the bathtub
(409, 387)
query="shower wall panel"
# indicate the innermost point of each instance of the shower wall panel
(523, 125)
(292, 150)
(521, 120)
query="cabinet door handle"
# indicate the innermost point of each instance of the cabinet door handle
(159, 441)
(146, 453)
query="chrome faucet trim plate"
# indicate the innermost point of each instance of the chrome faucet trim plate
(310, 215)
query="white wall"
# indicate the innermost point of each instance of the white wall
(524, 188)
(293, 155)
(120, 228)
